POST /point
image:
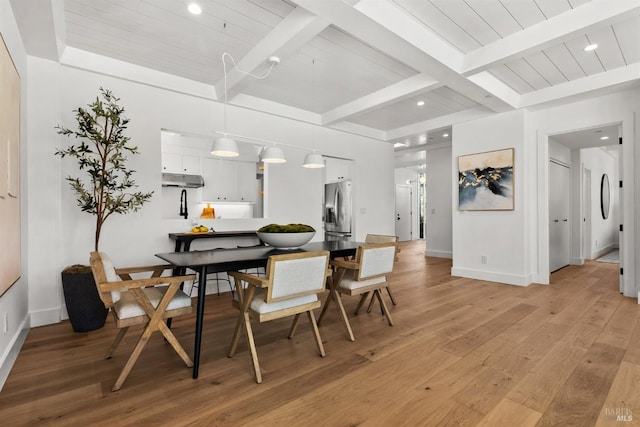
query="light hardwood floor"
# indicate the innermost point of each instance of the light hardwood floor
(462, 352)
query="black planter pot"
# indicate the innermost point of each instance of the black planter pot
(84, 306)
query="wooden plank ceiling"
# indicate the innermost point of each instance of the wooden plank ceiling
(364, 65)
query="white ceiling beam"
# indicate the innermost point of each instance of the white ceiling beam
(275, 108)
(496, 87)
(383, 27)
(293, 32)
(104, 65)
(42, 27)
(568, 25)
(438, 123)
(391, 94)
(584, 87)
(390, 16)
(361, 130)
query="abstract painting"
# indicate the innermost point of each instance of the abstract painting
(485, 181)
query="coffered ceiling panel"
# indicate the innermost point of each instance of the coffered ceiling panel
(332, 69)
(437, 103)
(618, 46)
(627, 35)
(470, 24)
(162, 35)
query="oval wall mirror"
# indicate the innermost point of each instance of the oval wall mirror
(604, 196)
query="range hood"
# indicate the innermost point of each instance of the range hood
(182, 180)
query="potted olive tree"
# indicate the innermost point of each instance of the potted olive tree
(105, 187)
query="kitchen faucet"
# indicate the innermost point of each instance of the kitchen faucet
(183, 204)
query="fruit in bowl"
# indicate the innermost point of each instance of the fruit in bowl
(200, 229)
(287, 236)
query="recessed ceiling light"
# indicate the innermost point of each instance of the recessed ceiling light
(399, 144)
(420, 103)
(604, 137)
(591, 47)
(423, 138)
(444, 135)
(194, 9)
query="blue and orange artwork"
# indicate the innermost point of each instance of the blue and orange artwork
(485, 181)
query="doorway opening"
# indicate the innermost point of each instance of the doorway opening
(591, 157)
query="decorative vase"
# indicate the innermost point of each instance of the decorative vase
(84, 306)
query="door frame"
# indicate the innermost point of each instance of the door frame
(411, 202)
(626, 121)
(586, 214)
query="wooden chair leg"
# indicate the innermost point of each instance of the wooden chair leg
(252, 348)
(132, 359)
(245, 300)
(236, 336)
(116, 342)
(294, 325)
(384, 307)
(324, 307)
(373, 298)
(363, 298)
(168, 335)
(393, 301)
(343, 314)
(316, 332)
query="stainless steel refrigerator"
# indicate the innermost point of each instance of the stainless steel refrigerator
(337, 211)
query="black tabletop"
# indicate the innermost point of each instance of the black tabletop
(233, 259)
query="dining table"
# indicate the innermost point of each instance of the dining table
(204, 262)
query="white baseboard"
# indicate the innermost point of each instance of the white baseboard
(48, 317)
(11, 353)
(577, 261)
(438, 254)
(603, 251)
(509, 279)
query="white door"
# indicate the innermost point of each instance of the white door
(403, 212)
(586, 214)
(559, 226)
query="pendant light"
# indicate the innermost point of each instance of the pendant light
(314, 160)
(225, 146)
(273, 154)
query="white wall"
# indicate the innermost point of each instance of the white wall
(293, 192)
(440, 202)
(604, 232)
(14, 302)
(500, 236)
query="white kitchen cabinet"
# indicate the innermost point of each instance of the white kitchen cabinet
(178, 163)
(247, 182)
(220, 180)
(191, 165)
(338, 169)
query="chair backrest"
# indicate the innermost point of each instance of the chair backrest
(380, 238)
(104, 271)
(375, 259)
(297, 274)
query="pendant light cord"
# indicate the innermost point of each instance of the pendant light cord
(224, 67)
